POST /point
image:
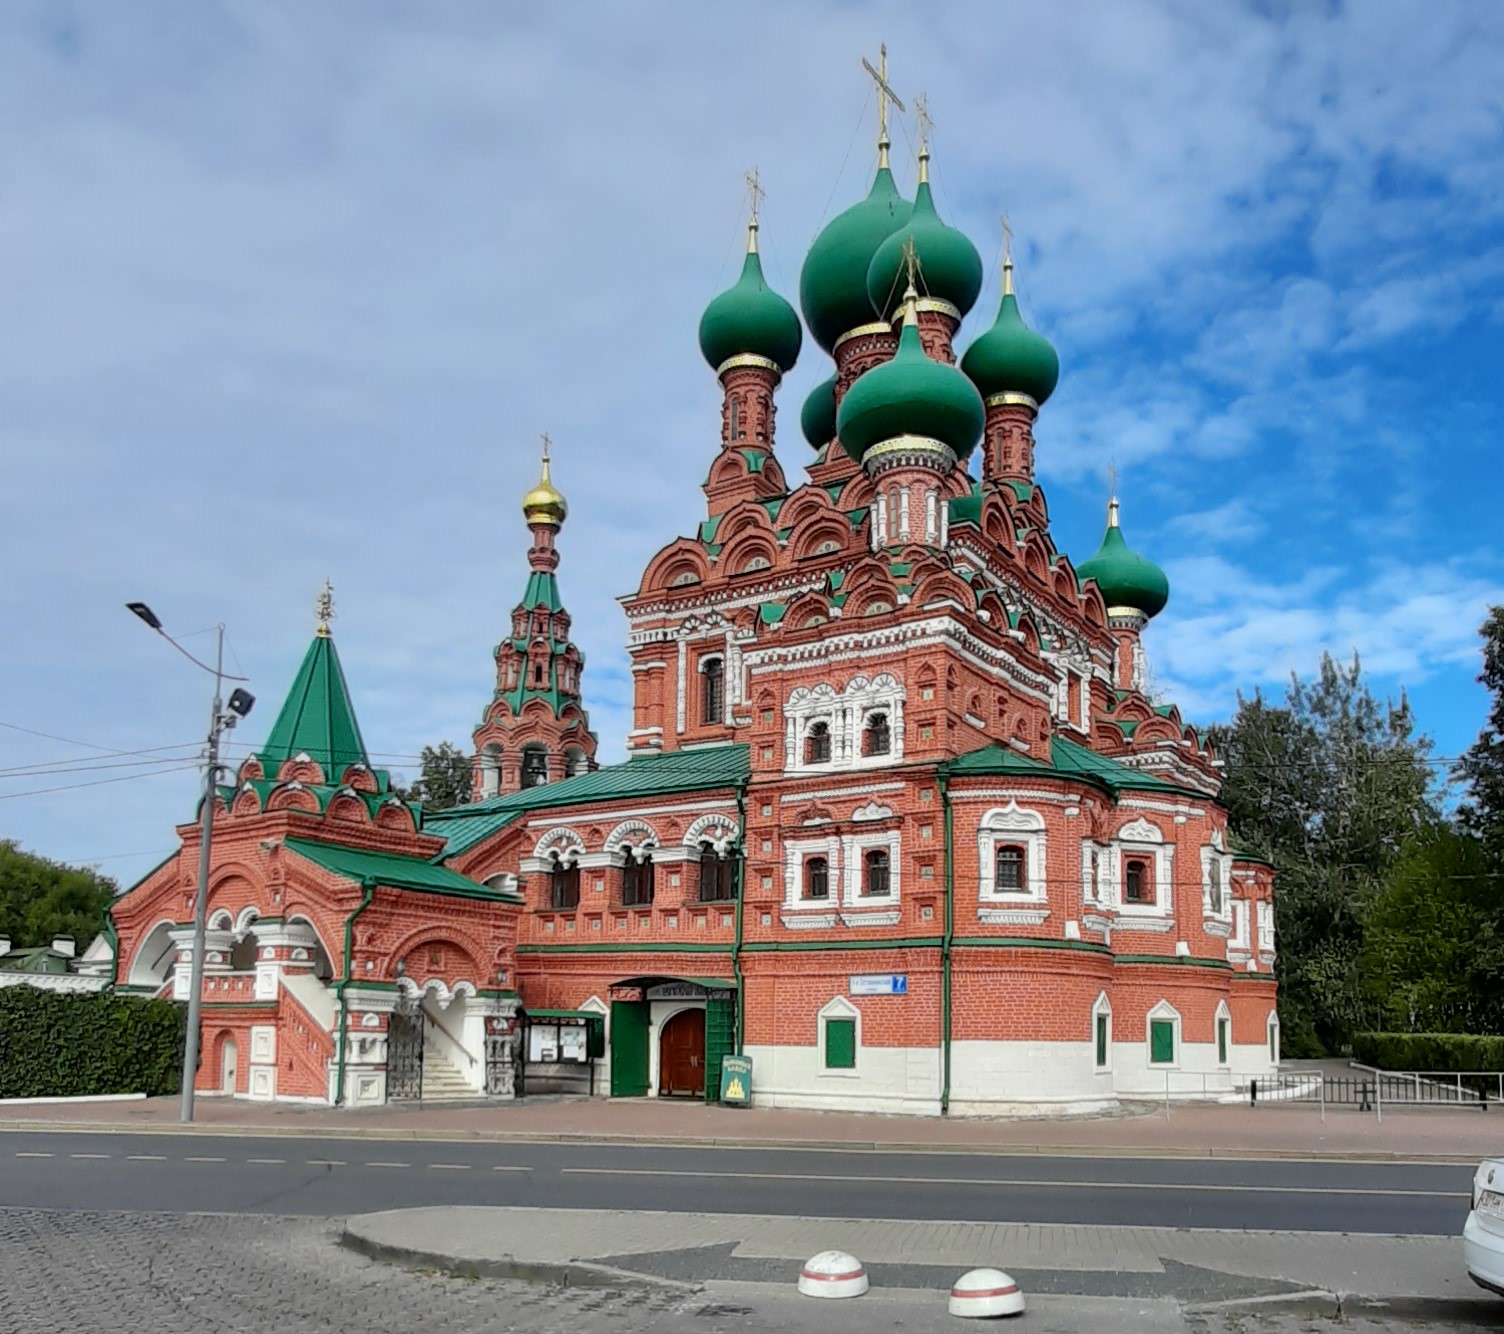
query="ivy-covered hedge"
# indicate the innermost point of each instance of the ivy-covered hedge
(61, 1045)
(1429, 1053)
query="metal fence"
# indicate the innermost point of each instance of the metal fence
(1370, 1090)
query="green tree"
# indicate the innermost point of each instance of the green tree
(1433, 957)
(42, 899)
(1331, 786)
(1482, 767)
(444, 780)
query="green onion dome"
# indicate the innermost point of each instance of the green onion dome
(750, 319)
(949, 267)
(833, 282)
(1127, 580)
(912, 396)
(1010, 358)
(817, 418)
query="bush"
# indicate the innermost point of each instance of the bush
(1430, 1053)
(60, 1045)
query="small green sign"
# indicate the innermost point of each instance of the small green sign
(736, 1080)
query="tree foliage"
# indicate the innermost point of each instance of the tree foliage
(1330, 786)
(42, 899)
(444, 780)
(1482, 767)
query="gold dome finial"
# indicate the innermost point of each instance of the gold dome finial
(926, 124)
(885, 94)
(911, 293)
(545, 503)
(323, 608)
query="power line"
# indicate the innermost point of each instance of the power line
(97, 782)
(44, 770)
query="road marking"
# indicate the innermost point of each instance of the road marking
(33, 1155)
(266, 1161)
(508, 1168)
(146, 1157)
(326, 1162)
(88, 1155)
(449, 1167)
(1008, 1182)
(388, 1164)
(203, 1160)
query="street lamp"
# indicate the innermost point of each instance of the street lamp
(220, 721)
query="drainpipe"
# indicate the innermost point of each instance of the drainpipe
(369, 886)
(741, 906)
(945, 941)
(113, 936)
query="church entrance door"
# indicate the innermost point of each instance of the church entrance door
(228, 1068)
(681, 1055)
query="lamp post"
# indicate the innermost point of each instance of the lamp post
(220, 721)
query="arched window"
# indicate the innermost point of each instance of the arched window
(717, 876)
(637, 878)
(1010, 869)
(1137, 886)
(817, 744)
(534, 766)
(537, 673)
(817, 878)
(875, 877)
(564, 887)
(712, 692)
(1214, 886)
(243, 954)
(877, 738)
(736, 417)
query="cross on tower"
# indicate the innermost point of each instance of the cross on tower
(926, 121)
(547, 444)
(1007, 241)
(757, 193)
(323, 608)
(885, 94)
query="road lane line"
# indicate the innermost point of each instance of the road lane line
(388, 1164)
(146, 1157)
(509, 1168)
(203, 1160)
(88, 1155)
(267, 1161)
(1010, 1183)
(23, 1154)
(326, 1162)
(449, 1167)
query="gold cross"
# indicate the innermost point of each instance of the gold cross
(547, 444)
(1007, 241)
(754, 188)
(323, 608)
(885, 94)
(926, 121)
(910, 259)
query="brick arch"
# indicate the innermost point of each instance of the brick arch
(292, 797)
(446, 934)
(347, 806)
(674, 560)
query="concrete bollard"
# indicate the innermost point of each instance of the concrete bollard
(832, 1274)
(984, 1294)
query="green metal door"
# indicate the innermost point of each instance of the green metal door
(1161, 1042)
(629, 1049)
(1101, 1039)
(720, 1040)
(1221, 1042)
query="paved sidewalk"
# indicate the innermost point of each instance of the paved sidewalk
(1193, 1130)
(1189, 1266)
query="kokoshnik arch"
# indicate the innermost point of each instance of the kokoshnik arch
(899, 820)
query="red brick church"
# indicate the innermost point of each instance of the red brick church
(899, 821)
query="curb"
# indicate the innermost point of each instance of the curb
(561, 1273)
(1341, 1306)
(441, 1136)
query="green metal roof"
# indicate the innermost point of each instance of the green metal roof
(771, 612)
(40, 959)
(542, 591)
(564, 1014)
(1068, 759)
(641, 776)
(317, 718)
(386, 868)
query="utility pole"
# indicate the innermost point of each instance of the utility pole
(221, 720)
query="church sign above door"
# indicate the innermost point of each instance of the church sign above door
(686, 991)
(626, 994)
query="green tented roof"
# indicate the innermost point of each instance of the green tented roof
(386, 868)
(563, 1014)
(317, 718)
(641, 776)
(542, 591)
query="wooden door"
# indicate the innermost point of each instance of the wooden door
(681, 1055)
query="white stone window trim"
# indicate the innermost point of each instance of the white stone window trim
(1006, 826)
(1212, 855)
(1101, 1007)
(1240, 944)
(838, 1007)
(1223, 1015)
(1265, 918)
(1142, 840)
(845, 713)
(796, 851)
(1162, 1010)
(1100, 895)
(854, 848)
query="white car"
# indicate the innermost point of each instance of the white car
(1483, 1234)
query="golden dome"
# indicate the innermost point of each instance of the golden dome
(545, 503)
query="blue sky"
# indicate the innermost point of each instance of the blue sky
(289, 290)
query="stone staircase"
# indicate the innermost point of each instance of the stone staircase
(441, 1081)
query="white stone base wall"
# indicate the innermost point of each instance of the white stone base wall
(1012, 1078)
(886, 1079)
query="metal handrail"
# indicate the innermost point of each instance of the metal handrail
(423, 1010)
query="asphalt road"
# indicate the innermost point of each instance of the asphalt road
(334, 1178)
